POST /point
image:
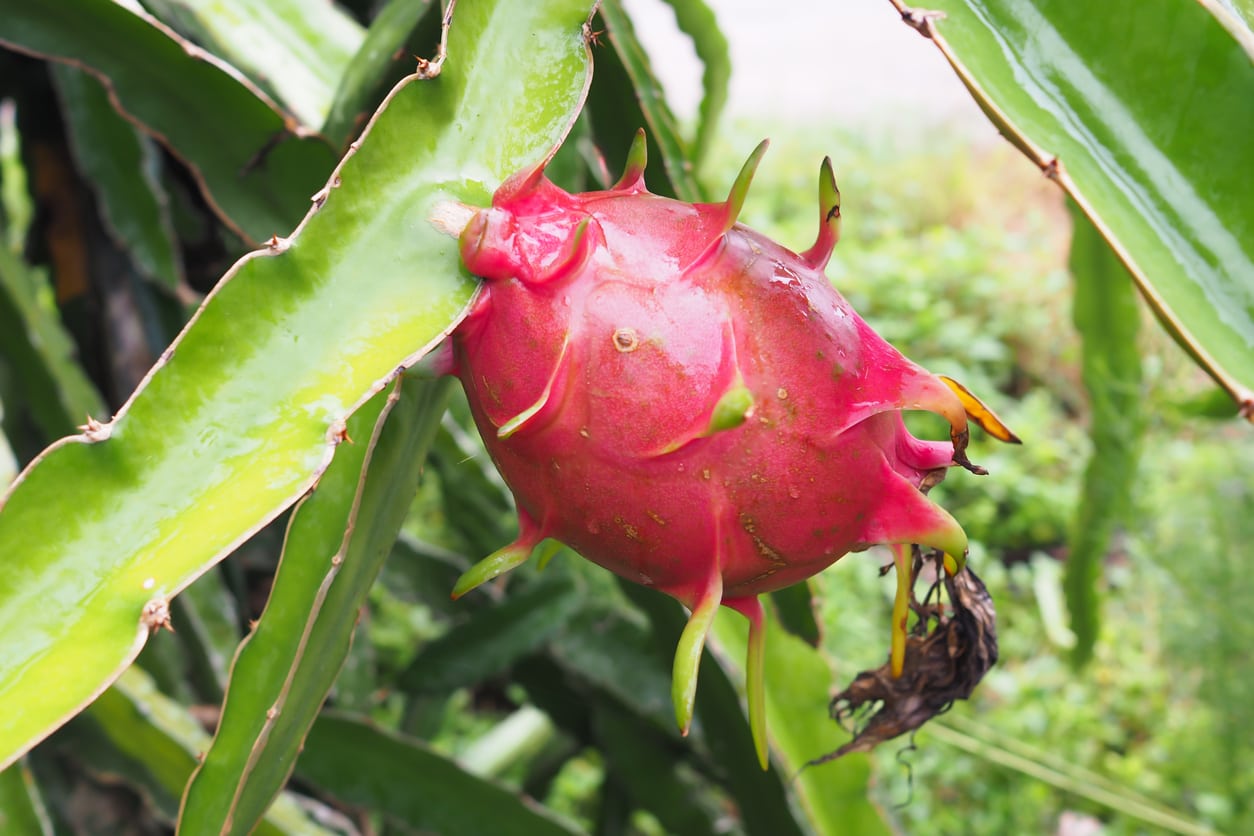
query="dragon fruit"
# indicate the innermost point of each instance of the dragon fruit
(692, 406)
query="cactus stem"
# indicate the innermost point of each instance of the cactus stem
(637, 159)
(829, 218)
(691, 644)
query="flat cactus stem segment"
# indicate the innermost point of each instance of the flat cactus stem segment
(633, 172)
(691, 644)
(903, 555)
(980, 413)
(755, 673)
(829, 218)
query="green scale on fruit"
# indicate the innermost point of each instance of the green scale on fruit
(694, 407)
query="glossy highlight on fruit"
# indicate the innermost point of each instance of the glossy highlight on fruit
(693, 406)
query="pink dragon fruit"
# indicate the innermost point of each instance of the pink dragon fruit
(691, 405)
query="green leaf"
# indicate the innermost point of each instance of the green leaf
(368, 767)
(8, 462)
(646, 765)
(697, 21)
(336, 543)
(1107, 316)
(1134, 107)
(121, 165)
(493, 638)
(1046, 768)
(516, 739)
(208, 632)
(794, 607)
(423, 574)
(294, 49)
(614, 653)
(377, 54)
(476, 502)
(255, 174)
(245, 410)
(39, 351)
(22, 809)
(833, 796)
(723, 726)
(627, 97)
(156, 742)
(1237, 16)
(15, 202)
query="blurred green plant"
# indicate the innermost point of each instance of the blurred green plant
(116, 224)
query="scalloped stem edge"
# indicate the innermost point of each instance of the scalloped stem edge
(923, 21)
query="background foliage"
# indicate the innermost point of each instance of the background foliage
(543, 707)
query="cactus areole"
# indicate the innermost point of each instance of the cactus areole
(691, 405)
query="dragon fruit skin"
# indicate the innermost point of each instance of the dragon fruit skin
(691, 405)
